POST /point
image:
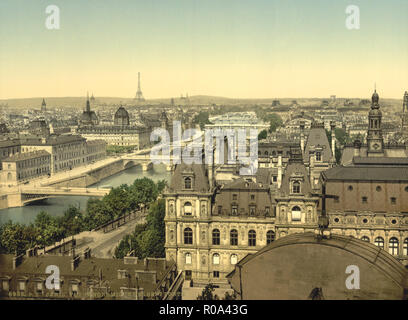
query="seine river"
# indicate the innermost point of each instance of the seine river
(57, 206)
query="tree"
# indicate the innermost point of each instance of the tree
(202, 119)
(262, 135)
(207, 293)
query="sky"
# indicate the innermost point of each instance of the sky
(229, 48)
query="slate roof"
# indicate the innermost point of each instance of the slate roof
(366, 173)
(318, 137)
(200, 184)
(89, 268)
(295, 168)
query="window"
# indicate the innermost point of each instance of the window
(364, 199)
(188, 274)
(216, 237)
(22, 285)
(393, 246)
(318, 156)
(188, 209)
(252, 238)
(296, 187)
(219, 209)
(405, 247)
(252, 210)
(216, 274)
(234, 197)
(296, 214)
(378, 188)
(393, 200)
(187, 183)
(234, 210)
(270, 237)
(5, 285)
(234, 237)
(188, 236)
(252, 197)
(379, 242)
(266, 153)
(350, 188)
(216, 258)
(365, 238)
(234, 259)
(267, 210)
(188, 258)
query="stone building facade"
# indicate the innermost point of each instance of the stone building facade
(25, 166)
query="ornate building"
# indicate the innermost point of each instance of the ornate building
(210, 224)
(374, 147)
(88, 117)
(121, 133)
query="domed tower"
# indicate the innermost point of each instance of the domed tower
(121, 117)
(375, 144)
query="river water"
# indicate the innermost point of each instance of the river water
(56, 206)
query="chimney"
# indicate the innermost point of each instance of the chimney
(17, 259)
(279, 171)
(302, 142)
(311, 166)
(333, 138)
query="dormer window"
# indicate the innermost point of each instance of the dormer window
(296, 187)
(187, 183)
(318, 156)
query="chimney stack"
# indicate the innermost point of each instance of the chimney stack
(279, 171)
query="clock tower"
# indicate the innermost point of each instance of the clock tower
(375, 144)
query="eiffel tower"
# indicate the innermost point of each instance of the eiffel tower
(139, 94)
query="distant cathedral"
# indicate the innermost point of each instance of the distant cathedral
(88, 117)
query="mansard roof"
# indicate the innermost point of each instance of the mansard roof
(317, 138)
(197, 171)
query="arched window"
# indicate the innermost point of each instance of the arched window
(216, 258)
(187, 183)
(188, 258)
(188, 208)
(296, 187)
(270, 237)
(379, 242)
(405, 247)
(188, 236)
(252, 238)
(365, 238)
(216, 237)
(393, 246)
(234, 237)
(296, 214)
(234, 259)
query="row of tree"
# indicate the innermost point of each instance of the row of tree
(148, 239)
(47, 229)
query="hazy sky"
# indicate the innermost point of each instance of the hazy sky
(231, 48)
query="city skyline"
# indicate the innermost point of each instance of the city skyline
(267, 49)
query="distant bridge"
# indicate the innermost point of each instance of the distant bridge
(30, 194)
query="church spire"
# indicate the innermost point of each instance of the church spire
(88, 105)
